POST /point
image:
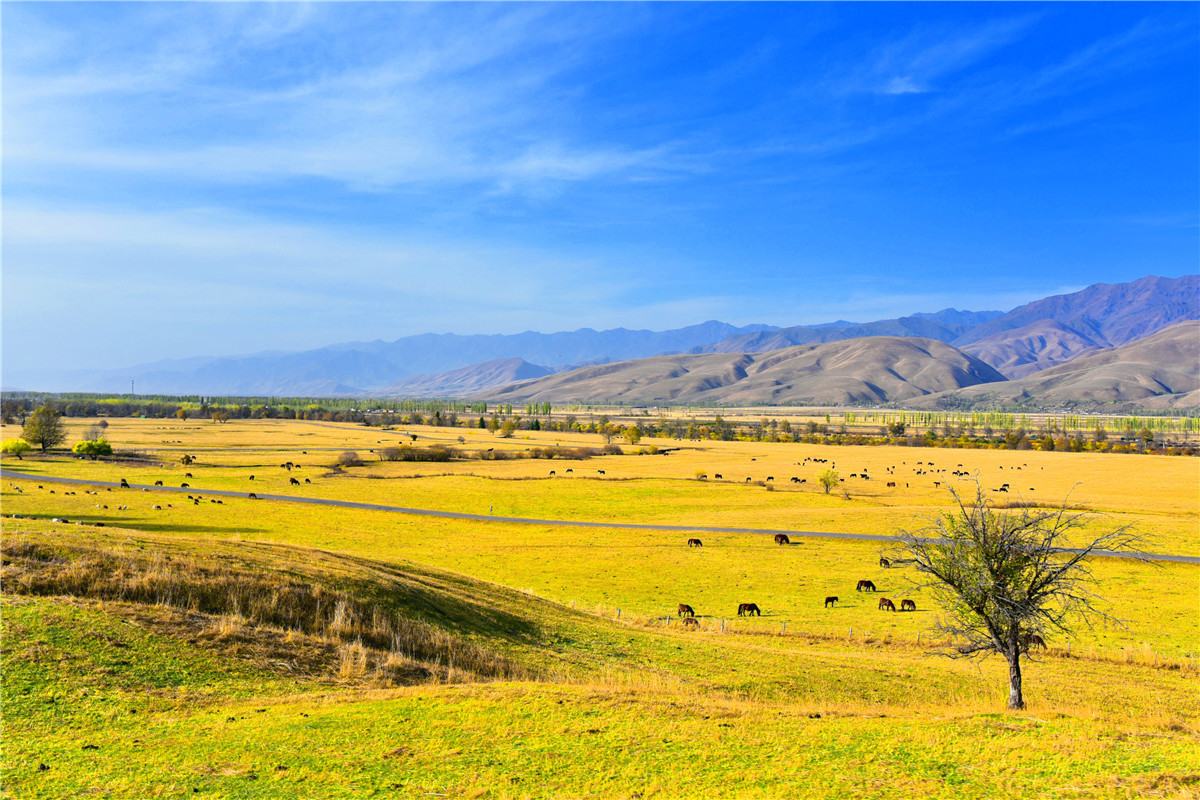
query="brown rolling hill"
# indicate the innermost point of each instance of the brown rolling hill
(866, 371)
(1033, 347)
(1159, 372)
(471, 379)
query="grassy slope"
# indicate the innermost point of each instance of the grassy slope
(645, 574)
(703, 713)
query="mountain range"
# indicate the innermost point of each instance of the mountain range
(924, 355)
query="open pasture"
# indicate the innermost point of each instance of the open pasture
(1156, 494)
(543, 660)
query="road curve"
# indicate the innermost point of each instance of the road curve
(571, 523)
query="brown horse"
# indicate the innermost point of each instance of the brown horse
(908, 605)
(295, 482)
(695, 543)
(686, 611)
(886, 605)
(831, 601)
(749, 610)
(782, 538)
(865, 586)
(691, 622)
(883, 562)
(1032, 640)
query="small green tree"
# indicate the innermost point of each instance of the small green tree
(507, 429)
(15, 447)
(632, 434)
(829, 479)
(44, 428)
(92, 448)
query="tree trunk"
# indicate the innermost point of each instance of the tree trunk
(1016, 698)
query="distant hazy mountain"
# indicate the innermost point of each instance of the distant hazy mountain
(867, 371)
(468, 380)
(372, 367)
(945, 325)
(1056, 329)
(1157, 372)
(1018, 343)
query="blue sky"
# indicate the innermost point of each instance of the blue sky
(186, 179)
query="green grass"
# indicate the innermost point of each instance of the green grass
(200, 651)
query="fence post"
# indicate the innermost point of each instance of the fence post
(618, 613)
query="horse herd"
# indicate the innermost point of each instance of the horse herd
(752, 610)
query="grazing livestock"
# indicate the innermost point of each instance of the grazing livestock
(749, 610)
(602, 472)
(691, 622)
(831, 601)
(124, 484)
(570, 471)
(886, 605)
(865, 586)
(883, 562)
(770, 477)
(251, 477)
(908, 605)
(184, 486)
(795, 479)
(686, 611)
(253, 496)
(158, 483)
(187, 474)
(695, 543)
(295, 482)
(1034, 640)
(552, 473)
(719, 476)
(782, 538)
(306, 480)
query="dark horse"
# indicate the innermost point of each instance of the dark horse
(908, 605)
(782, 538)
(695, 543)
(1033, 639)
(831, 601)
(686, 611)
(865, 586)
(886, 605)
(883, 562)
(691, 622)
(749, 610)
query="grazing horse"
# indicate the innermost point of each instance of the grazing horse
(691, 622)
(883, 562)
(749, 610)
(306, 480)
(782, 538)
(719, 476)
(886, 605)
(553, 473)
(602, 472)
(187, 474)
(295, 482)
(184, 486)
(695, 543)
(158, 483)
(686, 611)
(1034, 640)
(908, 605)
(865, 586)
(831, 601)
(124, 484)
(253, 496)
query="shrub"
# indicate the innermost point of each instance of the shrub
(435, 452)
(349, 459)
(92, 448)
(15, 447)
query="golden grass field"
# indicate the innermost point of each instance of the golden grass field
(500, 667)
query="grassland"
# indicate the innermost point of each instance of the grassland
(259, 649)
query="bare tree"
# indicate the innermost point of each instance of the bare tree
(1006, 581)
